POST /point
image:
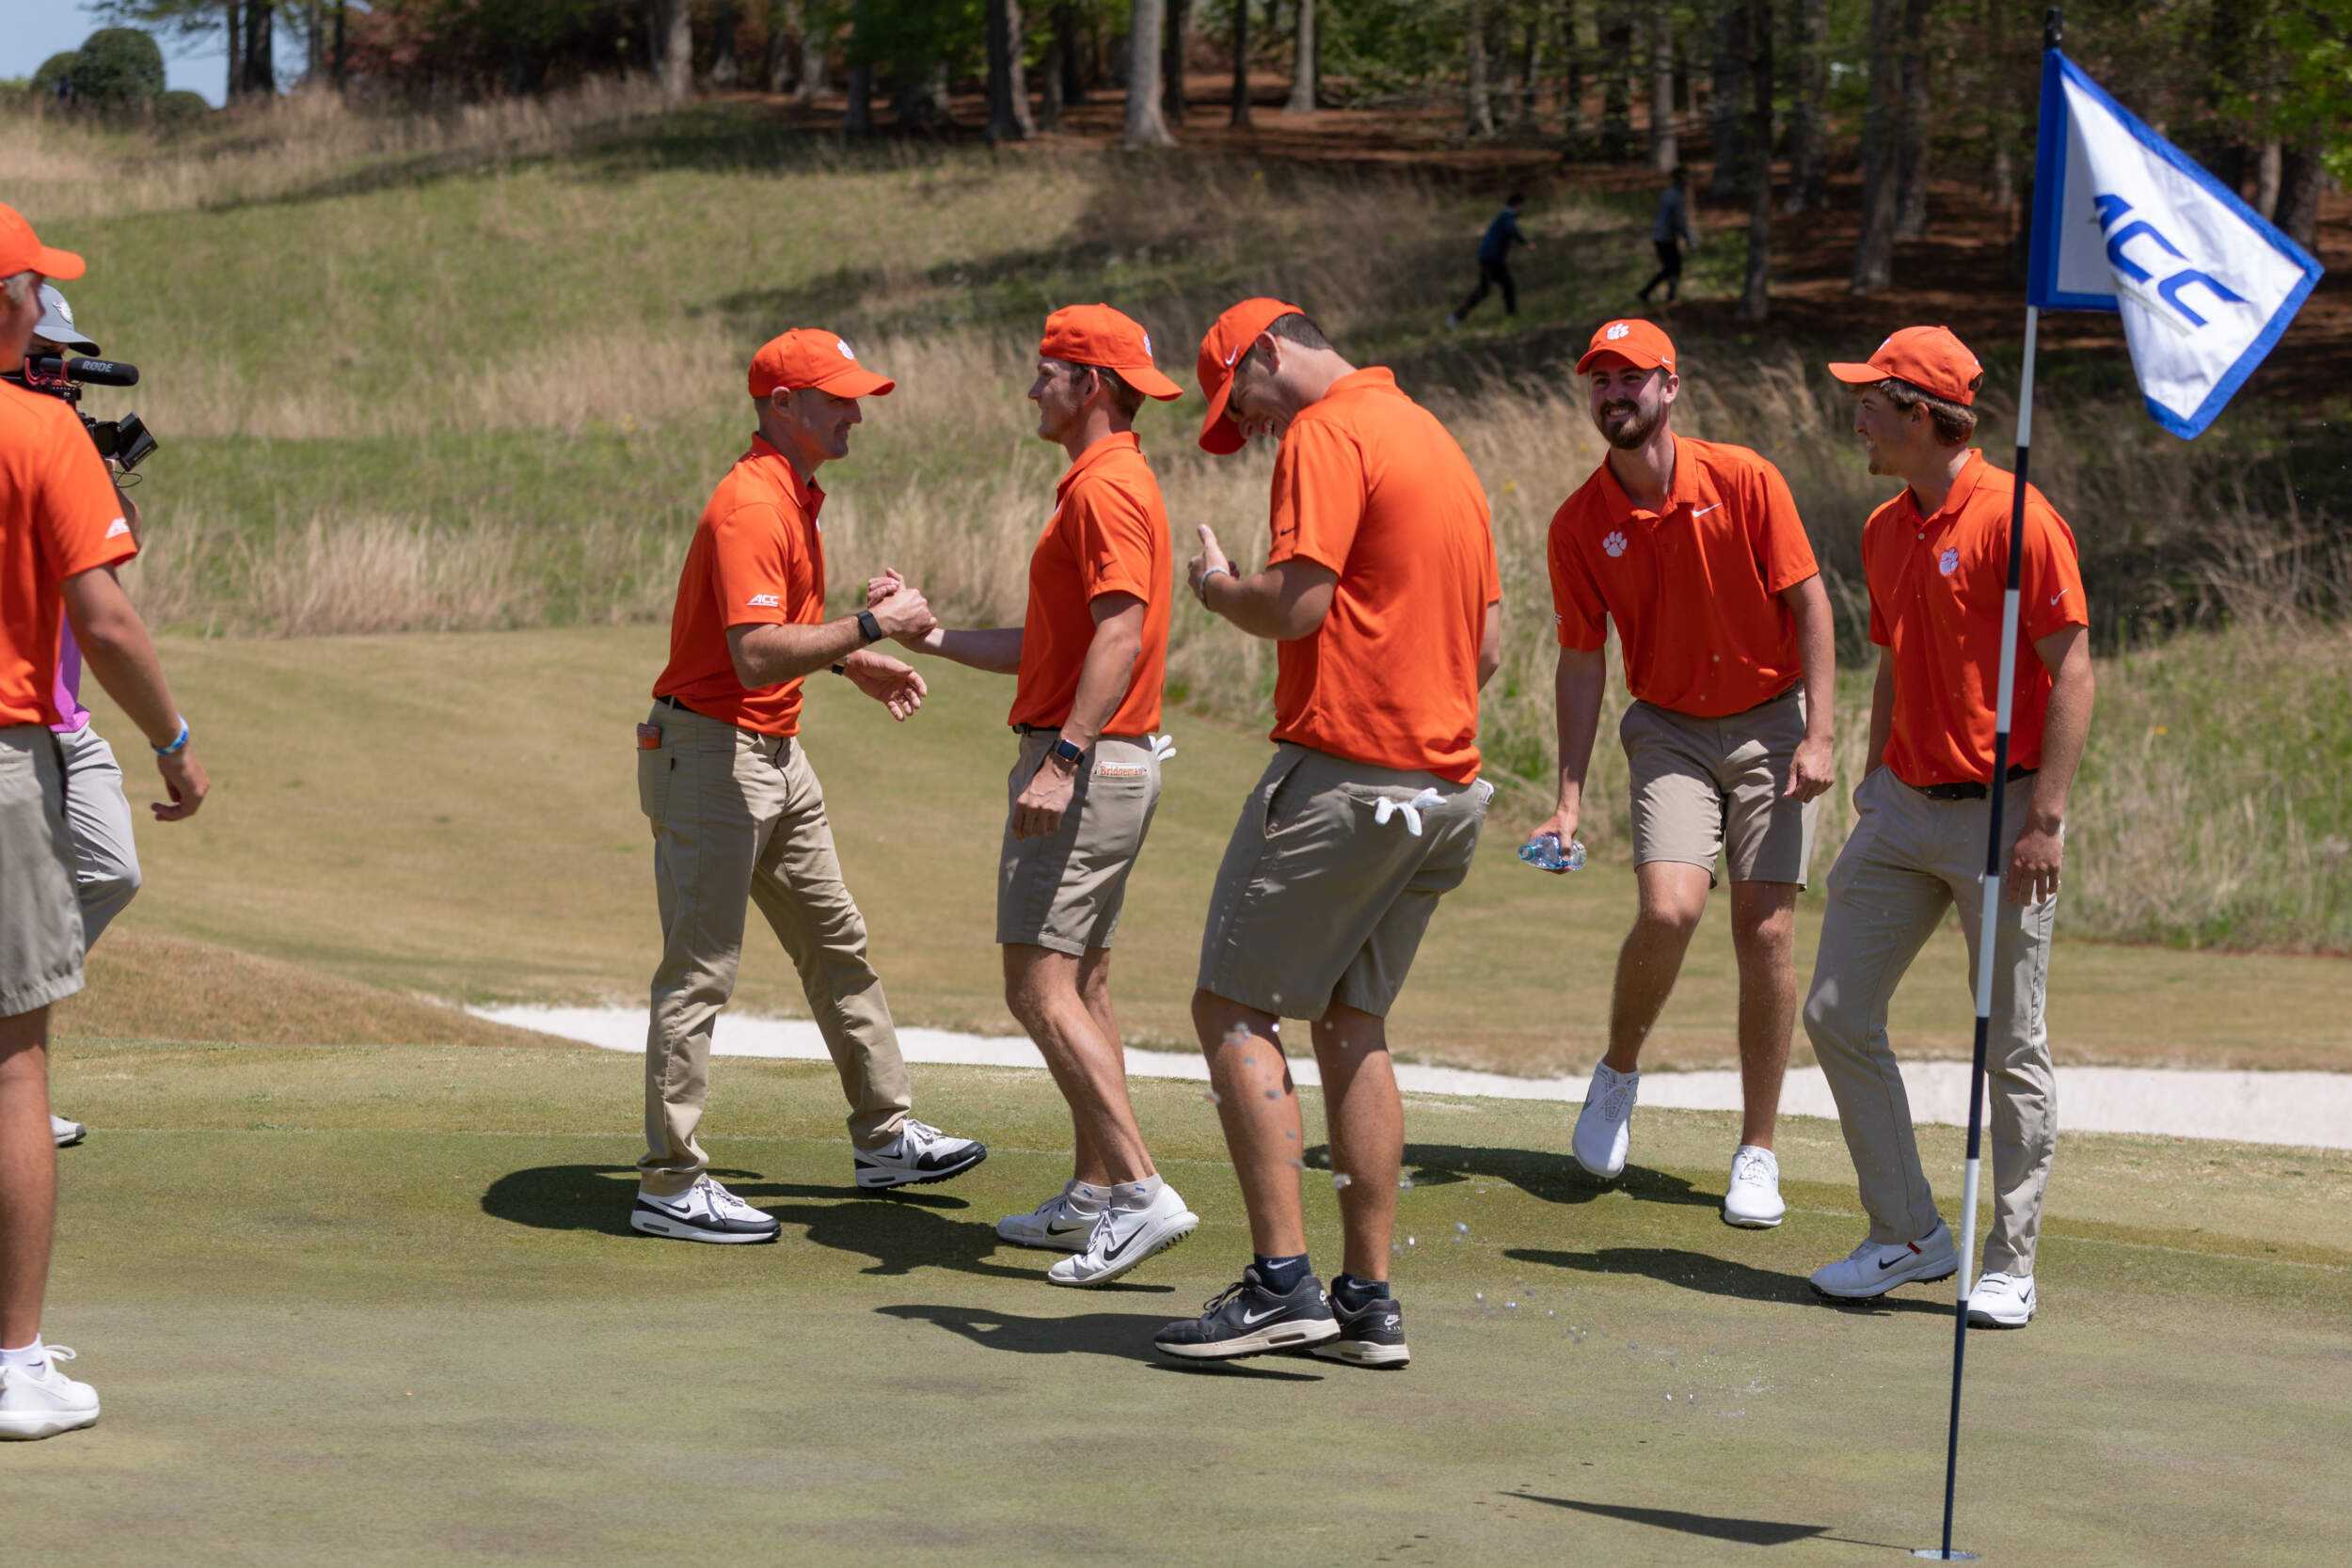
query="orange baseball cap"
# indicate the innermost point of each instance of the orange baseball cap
(1228, 338)
(21, 250)
(1930, 358)
(1639, 343)
(810, 357)
(1098, 335)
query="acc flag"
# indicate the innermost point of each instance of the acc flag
(2125, 221)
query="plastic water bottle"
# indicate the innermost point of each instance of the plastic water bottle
(1544, 853)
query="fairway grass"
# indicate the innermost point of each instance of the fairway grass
(380, 1306)
(456, 816)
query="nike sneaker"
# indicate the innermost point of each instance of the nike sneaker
(1056, 1225)
(1604, 1128)
(2002, 1301)
(923, 1153)
(1752, 1201)
(1249, 1319)
(1124, 1237)
(706, 1211)
(43, 1402)
(1372, 1336)
(66, 1133)
(1875, 1268)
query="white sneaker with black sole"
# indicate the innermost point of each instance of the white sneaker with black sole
(43, 1403)
(1875, 1268)
(706, 1211)
(1056, 1225)
(1604, 1128)
(2002, 1301)
(1124, 1237)
(923, 1153)
(1752, 1200)
(66, 1133)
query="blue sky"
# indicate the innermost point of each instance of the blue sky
(39, 28)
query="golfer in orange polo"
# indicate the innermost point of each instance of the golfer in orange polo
(1936, 558)
(737, 815)
(1088, 662)
(1693, 550)
(1381, 593)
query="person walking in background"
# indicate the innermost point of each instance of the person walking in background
(1695, 550)
(1494, 261)
(737, 812)
(61, 535)
(1089, 660)
(105, 853)
(1936, 559)
(1381, 593)
(1669, 232)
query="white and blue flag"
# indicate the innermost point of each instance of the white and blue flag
(2125, 221)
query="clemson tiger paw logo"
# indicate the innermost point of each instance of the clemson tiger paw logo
(1948, 563)
(842, 345)
(1614, 544)
(1617, 330)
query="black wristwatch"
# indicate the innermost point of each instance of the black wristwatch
(868, 626)
(1062, 751)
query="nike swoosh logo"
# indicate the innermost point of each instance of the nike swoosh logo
(1903, 1256)
(1248, 1317)
(2055, 597)
(1705, 510)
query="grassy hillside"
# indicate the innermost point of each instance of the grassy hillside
(479, 372)
(456, 814)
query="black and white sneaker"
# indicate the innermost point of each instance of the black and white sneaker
(1249, 1319)
(1372, 1336)
(706, 1211)
(923, 1153)
(64, 1134)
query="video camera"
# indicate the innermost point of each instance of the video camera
(125, 440)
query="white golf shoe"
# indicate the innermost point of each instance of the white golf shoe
(2002, 1301)
(706, 1211)
(1752, 1201)
(1604, 1128)
(1124, 1237)
(1875, 1268)
(44, 1402)
(64, 1134)
(922, 1153)
(1060, 1224)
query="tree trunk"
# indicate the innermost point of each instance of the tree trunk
(725, 70)
(1302, 99)
(674, 48)
(1172, 60)
(1479, 113)
(859, 118)
(1665, 149)
(1910, 174)
(1808, 130)
(784, 30)
(313, 38)
(2302, 176)
(1073, 85)
(921, 99)
(1874, 254)
(260, 34)
(2269, 169)
(1572, 76)
(1146, 125)
(1617, 106)
(340, 8)
(1240, 120)
(1530, 72)
(1727, 106)
(1756, 298)
(236, 51)
(816, 54)
(1007, 91)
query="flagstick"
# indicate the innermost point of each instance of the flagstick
(1991, 923)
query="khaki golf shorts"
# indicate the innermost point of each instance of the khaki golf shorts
(1704, 788)
(1319, 902)
(1063, 892)
(41, 919)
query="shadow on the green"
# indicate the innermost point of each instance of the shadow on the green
(1553, 1178)
(1716, 1276)
(1125, 1336)
(1713, 1527)
(598, 1197)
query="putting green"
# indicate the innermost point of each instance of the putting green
(379, 1304)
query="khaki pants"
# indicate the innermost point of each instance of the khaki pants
(1910, 859)
(738, 819)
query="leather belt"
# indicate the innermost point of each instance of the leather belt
(1968, 789)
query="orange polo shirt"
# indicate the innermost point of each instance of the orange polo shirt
(1936, 585)
(58, 518)
(1370, 484)
(757, 559)
(1694, 587)
(1108, 534)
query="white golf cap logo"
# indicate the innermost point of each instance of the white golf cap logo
(1617, 330)
(1147, 345)
(842, 345)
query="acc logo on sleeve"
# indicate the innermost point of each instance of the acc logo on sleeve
(763, 601)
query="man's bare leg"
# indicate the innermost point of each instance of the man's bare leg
(1673, 896)
(1259, 1107)
(28, 1175)
(1366, 1118)
(1042, 988)
(1763, 938)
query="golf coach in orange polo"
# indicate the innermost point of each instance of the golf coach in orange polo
(737, 812)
